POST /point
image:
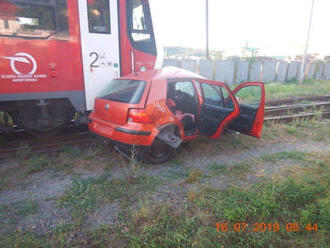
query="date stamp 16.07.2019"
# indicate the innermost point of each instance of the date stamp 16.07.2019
(266, 227)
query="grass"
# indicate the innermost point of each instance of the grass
(83, 156)
(218, 169)
(288, 90)
(315, 129)
(292, 155)
(38, 162)
(3, 183)
(177, 174)
(236, 170)
(11, 213)
(302, 197)
(269, 202)
(278, 90)
(23, 152)
(86, 195)
(300, 194)
(194, 176)
(2, 119)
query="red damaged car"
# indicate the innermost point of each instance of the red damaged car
(157, 110)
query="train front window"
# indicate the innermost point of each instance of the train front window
(34, 19)
(98, 16)
(140, 26)
(140, 30)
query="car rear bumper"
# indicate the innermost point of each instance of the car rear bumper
(131, 133)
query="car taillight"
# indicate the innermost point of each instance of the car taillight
(139, 116)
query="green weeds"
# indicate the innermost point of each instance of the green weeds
(194, 176)
(292, 155)
(238, 170)
(11, 213)
(23, 152)
(38, 162)
(273, 201)
(88, 194)
(278, 90)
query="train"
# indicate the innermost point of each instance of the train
(56, 56)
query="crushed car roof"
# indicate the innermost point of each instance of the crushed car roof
(169, 72)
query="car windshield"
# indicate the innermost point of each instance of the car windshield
(127, 91)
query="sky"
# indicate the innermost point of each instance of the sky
(276, 27)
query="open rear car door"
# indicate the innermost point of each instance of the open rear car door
(218, 107)
(251, 99)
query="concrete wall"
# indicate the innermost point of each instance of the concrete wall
(171, 62)
(269, 71)
(255, 71)
(319, 71)
(311, 71)
(242, 72)
(225, 71)
(189, 64)
(206, 68)
(282, 71)
(293, 70)
(231, 71)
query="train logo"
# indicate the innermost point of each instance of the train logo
(28, 75)
(23, 58)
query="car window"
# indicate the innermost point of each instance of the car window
(186, 87)
(212, 94)
(127, 91)
(228, 102)
(249, 95)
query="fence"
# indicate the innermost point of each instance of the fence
(237, 71)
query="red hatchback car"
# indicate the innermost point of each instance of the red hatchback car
(157, 110)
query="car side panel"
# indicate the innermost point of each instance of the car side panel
(157, 108)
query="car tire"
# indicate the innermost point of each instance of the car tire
(158, 153)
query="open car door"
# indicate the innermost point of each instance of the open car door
(251, 99)
(218, 107)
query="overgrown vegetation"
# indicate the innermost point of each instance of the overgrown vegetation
(88, 194)
(238, 170)
(302, 197)
(278, 90)
(296, 191)
(293, 155)
(11, 213)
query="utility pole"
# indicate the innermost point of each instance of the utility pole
(301, 75)
(207, 29)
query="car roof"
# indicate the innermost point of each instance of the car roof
(165, 73)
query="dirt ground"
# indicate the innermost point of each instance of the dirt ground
(31, 185)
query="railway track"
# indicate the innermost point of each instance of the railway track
(297, 100)
(299, 116)
(289, 113)
(10, 144)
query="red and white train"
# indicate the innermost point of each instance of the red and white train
(57, 55)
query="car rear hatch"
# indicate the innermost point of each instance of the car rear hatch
(114, 102)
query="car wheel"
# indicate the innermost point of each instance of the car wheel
(159, 152)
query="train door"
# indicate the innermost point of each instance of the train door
(99, 44)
